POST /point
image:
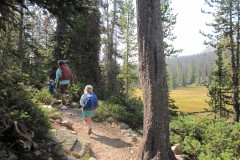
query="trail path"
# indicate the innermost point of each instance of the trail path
(107, 142)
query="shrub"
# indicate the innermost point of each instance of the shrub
(75, 92)
(107, 109)
(173, 108)
(19, 116)
(204, 139)
(222, 139)
(17, 106)
(130, 112)
(43, 96)
(191, 146)
(37, 79)
(187, 126)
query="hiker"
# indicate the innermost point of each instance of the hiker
(63, 76)
(51, 87)
(89, 103)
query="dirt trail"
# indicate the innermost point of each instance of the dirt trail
(107, 142)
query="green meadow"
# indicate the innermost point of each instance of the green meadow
(188, 99)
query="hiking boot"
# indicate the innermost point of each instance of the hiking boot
(89, 131)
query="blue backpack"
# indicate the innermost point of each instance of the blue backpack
(91, 102)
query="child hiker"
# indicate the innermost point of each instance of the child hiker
(51, 87)
(89, 103)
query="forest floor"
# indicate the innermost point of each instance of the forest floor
(107, 142)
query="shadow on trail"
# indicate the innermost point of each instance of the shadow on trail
(114, 142)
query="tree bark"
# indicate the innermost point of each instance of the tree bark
(152, 68)
(237, 115)
(234, 67)
(111, 62)
(59, 37)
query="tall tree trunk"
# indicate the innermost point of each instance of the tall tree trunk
(220, 77)
(111, 64)
(21, 40)
(237, 63)
(60, 31)
(93, 58)
(234, 69)
(59, 38)
(127, 58)
(127, 74)
(152, 68)
(113, 76)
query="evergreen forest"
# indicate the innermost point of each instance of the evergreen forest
(193, 69)
(118, 46)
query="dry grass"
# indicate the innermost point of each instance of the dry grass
(188, 99)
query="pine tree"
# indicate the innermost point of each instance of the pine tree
(127, 37)
(169, 21)
(110, 66)
(226, 26)
(219, 88)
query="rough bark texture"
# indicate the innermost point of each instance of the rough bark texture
(153, 79)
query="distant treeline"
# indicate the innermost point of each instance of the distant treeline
(192, 69)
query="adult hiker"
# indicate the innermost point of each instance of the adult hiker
(63, 77)
(89, 103)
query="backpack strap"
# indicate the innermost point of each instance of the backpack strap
(91, 100)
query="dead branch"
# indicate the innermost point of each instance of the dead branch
(22, 132)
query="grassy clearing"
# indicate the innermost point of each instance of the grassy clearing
(188, 99)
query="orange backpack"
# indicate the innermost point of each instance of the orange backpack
(66, 71)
